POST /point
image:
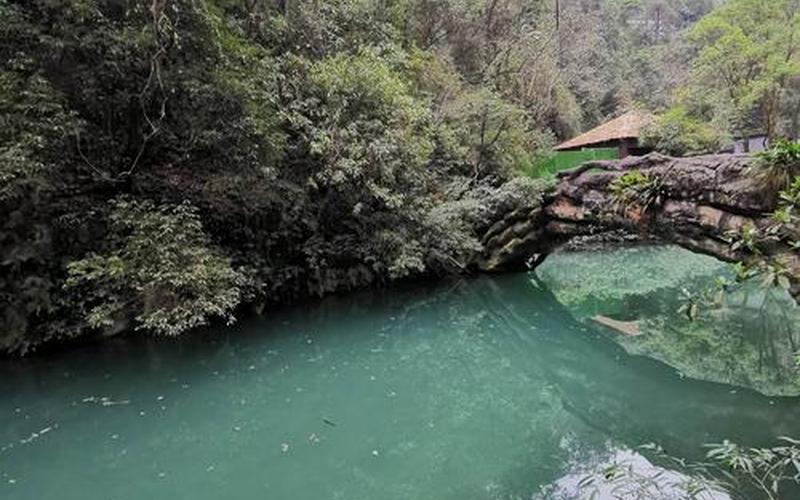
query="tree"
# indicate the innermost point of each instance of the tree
(677, 133)
(748, 63)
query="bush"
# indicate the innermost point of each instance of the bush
(316, 149)
(160, 269)
(778, 166)
(677, 133)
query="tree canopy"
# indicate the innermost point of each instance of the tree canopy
(163, 163)
(745, 69)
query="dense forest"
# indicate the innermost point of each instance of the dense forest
(165, 163)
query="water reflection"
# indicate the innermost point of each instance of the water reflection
(748, 339)
(625, 474)
(489, 388)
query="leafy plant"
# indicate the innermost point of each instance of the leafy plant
(676, 132)
(778, 166)
(730, 469)
(790, 197)
(765, 469)
(160, 269)
(635, 187)
(747, 238)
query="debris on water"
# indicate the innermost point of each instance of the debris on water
(209, 468)
(313, 438)
(329, 422)
(392, 394)
(375, 453)
(251, 367)
(284, 447)
(162, 474)
(115, 436)
(372, 377)
(104, 401)
(12, 481)
(160, 398)
(38, 434)
(236, 428)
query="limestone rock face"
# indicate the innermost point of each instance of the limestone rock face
(699, 203)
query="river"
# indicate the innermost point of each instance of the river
(495, 387)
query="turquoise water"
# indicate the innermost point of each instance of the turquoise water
(492, 388)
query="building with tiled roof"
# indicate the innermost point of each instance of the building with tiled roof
(622, 132)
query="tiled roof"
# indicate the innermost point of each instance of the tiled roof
(626, 126)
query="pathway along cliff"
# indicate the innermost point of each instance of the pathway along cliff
(701, 203)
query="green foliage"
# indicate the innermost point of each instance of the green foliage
(635, 187)
(765, 470)
(160, 268)
(494, 134)
(758, 246)
(368, 129)
(325, 146)
(747, 61)
(730, 471)
(778, 166)
(790, 197)
(677, 133)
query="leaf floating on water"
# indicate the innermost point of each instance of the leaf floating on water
(284, 447)
(329, 422)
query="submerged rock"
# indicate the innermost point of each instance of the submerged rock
(629, 328)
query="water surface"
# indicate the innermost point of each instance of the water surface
(492, 388)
